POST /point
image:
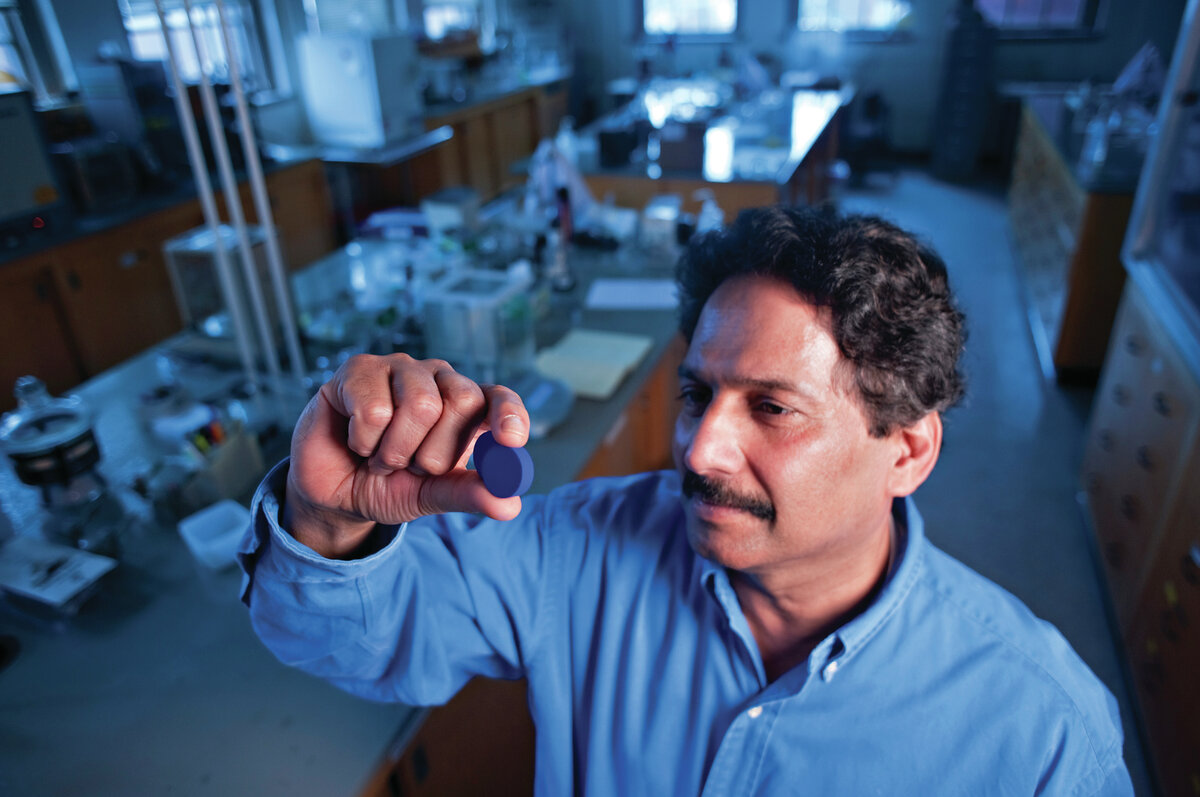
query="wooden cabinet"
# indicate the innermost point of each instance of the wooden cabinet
(491, 137)
(33, 330)
(1068, 241)
(640, 439)
(303, 212)
(116, 293)
(480, 743)
(1141, 471)
(79, 308)
(1164, 644)
(1143, 421)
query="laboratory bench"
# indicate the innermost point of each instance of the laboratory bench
(688, 138)
(88, 292)
(158, 685)
(1068, 220)
(100, 292)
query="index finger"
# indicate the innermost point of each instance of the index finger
(361, 392)
(507, 417)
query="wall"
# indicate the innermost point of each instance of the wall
(907, 71)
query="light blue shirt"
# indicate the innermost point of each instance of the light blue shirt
(644, 677)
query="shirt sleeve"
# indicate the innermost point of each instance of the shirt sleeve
(443, 599)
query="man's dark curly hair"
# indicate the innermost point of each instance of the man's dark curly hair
(893, 316)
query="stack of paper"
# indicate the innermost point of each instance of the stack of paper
(593, 363)
(632, 294)
(48, 573)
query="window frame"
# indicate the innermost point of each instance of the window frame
(259, 30)
(874, 35)
(1092, 26)
(39, 46)
(645, 37)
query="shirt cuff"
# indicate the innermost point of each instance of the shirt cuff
(267, 544)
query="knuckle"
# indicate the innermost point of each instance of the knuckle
(425, 409)
(359, 362)
(397, 460)
(464, 399)
(377, 414)
(432, 462)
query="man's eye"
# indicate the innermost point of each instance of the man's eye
(771, 408)
(693, 396)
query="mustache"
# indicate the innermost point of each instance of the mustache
(718, 494)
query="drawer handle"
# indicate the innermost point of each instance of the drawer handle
(1189, 565)
(1134, 345)
(1162, 404)
(1145, 459)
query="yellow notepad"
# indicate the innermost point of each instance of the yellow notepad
(592, 362)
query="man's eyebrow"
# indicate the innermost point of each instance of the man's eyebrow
(765, 384)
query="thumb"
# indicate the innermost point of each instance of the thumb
(462, 490)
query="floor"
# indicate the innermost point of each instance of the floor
(1003, 497)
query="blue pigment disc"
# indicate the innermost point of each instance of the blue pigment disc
(505, 471)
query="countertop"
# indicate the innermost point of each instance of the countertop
(1053, 106)
(484, 90)
(159, 686)
(763, 140)
(70, 226)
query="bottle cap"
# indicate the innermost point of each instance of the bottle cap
(505, 471)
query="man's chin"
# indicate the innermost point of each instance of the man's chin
(721, 534)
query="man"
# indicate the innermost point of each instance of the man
(768, 619)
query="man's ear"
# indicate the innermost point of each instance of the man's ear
(917, 449)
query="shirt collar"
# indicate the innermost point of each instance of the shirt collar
(904, 565)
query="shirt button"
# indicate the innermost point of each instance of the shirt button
(755, 712)
(830, 670)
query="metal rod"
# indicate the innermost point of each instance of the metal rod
(191, 139)
(262, 205)
(233, 205)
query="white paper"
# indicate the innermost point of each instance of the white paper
(46, 572)
(593, 363)
(632, 294)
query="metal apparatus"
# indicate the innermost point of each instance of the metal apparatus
(51, 445)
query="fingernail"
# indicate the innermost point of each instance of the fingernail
(512, 423)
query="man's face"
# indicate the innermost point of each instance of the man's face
(779, 468)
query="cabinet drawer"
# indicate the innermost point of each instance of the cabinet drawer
(1144, 418)
(1164, 644)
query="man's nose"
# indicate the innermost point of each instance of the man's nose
(713, 445)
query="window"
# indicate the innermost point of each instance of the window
(146, 43)
(852, 15)
(1040, 16)
(689, 17)
(32, 55)
(444, 19)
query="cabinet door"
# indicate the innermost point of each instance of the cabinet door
(640, 439)
(479, 157)
(1145, 413)
(1164, 645)
(116, 293)
(481, 742)
(35, 340)
(303, 212)
(513, 128)
(553, 102)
